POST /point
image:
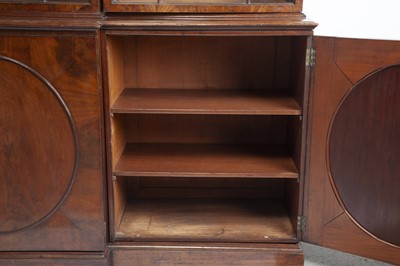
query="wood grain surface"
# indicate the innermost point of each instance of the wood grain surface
(205, 129)
(206, 220)
(52, 259)
(172, 101)
(204, 6)
(364, 151)
(338, 68)
(205, 160)
(74, 6)
(206, 254)
(39, 147)
(38, 150)
(205, 62)
(230, 24)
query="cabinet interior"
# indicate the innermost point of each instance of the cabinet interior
(206, 137)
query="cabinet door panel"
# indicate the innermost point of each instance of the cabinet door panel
(51, 151)
(37, 134)
(351, 199)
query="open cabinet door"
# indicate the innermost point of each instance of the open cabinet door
(352, 189)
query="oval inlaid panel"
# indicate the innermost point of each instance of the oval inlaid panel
(38, 152)
(364, 154)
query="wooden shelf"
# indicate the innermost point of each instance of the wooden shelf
(218, 220)
(206, 101)
(206, 160)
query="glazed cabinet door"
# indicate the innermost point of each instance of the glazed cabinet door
(353, 186)
(69, 6)
(204, 6)
(51, 183)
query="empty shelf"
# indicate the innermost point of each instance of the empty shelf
(206, 160)
(207, 101)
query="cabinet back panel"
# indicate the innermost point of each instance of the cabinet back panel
(195, 62)
(199, 187)
(206, 129)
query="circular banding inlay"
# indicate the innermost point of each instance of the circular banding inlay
(38, 146)
(364, 154)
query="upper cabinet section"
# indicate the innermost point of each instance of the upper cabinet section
(152, 6)
(203, 6)
(67, 6)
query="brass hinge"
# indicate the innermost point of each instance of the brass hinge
(302, 223)
(310, 57)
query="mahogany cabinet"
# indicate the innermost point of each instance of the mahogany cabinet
(196, 138)
(205, 142)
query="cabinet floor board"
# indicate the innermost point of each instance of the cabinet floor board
(223, 220)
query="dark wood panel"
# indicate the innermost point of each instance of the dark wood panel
(273, 24)
(69, 63)
(34, 183)
(75, 6)
(364, 151)
(205, 220)
(205, 62)
(28, 21)
(198, 182)
(204, 129)
(329, 84)
(52, 259)
(172, 101)
(205, 160)
(356, 60)
(203, 254)
(342, 233)
(332, 79)
(211, 188)
(52, 262)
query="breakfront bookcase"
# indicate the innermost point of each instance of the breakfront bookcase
(192, 132)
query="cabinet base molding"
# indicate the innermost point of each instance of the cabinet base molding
(206, 254)
(52, 258)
